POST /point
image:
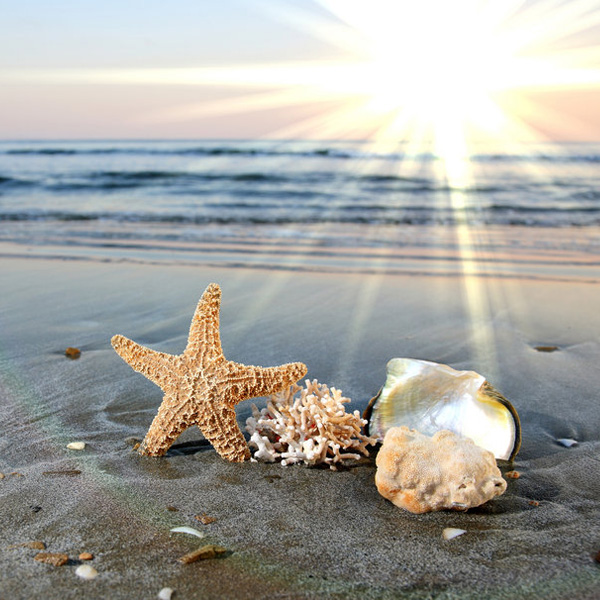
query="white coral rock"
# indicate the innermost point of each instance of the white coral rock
(308, 426)
(446, 471)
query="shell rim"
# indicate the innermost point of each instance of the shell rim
(486, 388)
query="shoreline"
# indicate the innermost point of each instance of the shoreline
(553, 254)
(291, 532)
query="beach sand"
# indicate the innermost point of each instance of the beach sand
(290, 532)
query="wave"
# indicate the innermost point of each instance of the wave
(180, 181)
(115, 180)
(586, 195)
(287, 150)
(189, 181)
(535, 157)
(14, 182)
(194, 151)
(249, 213)
(42, 151)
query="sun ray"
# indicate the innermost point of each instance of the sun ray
(245, 103)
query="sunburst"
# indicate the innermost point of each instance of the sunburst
(413, 68)
(397, 68)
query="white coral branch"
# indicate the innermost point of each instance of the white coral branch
(308, 425)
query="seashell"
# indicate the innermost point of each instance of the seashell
(203, 553)
(429, 397)
(567, 442)
(86, 572)
(451, 532)
(76, 446)
(190, 530)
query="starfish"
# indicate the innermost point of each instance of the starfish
(201, 387)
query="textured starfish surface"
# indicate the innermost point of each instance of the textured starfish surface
(201, 386)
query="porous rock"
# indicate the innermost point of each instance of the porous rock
(445, 471)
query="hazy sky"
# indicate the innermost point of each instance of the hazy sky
(298, 68)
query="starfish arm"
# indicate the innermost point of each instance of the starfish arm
(204, 340)
(156, 366)
(245, 381)
(219, 426)
(168, 424)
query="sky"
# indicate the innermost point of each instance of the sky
(389, 70)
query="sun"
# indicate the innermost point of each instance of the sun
(412, 59)
(424, 65)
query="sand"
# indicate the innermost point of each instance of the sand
(290, 532)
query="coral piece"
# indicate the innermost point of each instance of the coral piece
(312, 428)
(201, 386)
(422, 474)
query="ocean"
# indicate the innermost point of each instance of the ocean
(272, 203)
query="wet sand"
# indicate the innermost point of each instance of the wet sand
(290, 532)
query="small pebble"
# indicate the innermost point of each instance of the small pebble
(205, 519)
(86, 556)
(165, 594)
(567, 442)
(51, 558)
(2, 475)
(76, 446)
(86, 572)
(452, 532)
(512, 474)
(203, 553)
(72, 353)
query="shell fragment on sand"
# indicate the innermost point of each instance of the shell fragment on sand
(76, 446)
(447, 471)
(52, 558)
(429, 397)
(86, 572)
(205, 519)
(567, 442)
(451, 532)
(204, 553)
(189, 530)
(72, 353)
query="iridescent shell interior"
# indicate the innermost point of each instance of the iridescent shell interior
(429, 396)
